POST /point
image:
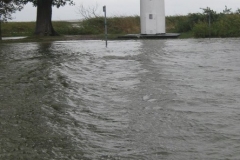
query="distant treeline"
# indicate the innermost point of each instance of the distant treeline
(209, 23)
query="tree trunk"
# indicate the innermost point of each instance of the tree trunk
(44, 19)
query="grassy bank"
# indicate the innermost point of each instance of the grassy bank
(93, 26)
(10, 29)
(206, 24)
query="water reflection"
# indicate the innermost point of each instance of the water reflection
(153, 127)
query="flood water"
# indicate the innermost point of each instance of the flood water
(135, 100)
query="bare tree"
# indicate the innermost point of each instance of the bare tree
(88, 12)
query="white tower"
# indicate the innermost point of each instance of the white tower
(152, 15)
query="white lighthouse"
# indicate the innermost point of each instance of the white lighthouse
(152, 15)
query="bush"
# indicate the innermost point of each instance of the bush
(201, 29)
(227, 26)
(177, 24)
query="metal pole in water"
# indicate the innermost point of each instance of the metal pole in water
(0, 26)
(209, 24)
(105, 22)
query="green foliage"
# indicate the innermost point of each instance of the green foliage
(195, 24)
(27, 28)
(92, 26)
(6, 9)
(124, 25)
(67, 28)
(57, 3)
(226, 26)
(187, 23)
(178, 23)
(116, 25)
(17, 28)
(201, 29)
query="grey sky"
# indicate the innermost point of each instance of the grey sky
(128, 7)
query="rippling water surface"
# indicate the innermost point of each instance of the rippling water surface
(136, 100)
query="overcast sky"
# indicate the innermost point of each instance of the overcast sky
(127, 7)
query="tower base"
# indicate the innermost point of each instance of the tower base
(150, 36)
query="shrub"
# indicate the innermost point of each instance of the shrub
(228, 26)
(201, 29)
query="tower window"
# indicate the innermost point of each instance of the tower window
(150, 16)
